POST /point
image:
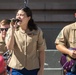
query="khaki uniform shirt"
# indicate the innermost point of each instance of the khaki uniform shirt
(26, 49)
(67, 36)
(3, 49)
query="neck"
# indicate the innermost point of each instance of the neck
(24, 27)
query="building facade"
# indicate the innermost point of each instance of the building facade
(50, 15)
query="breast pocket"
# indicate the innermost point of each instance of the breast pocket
(72, 38)
(32, 39)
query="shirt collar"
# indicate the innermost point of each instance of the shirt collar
(28, 31)
(24, 31)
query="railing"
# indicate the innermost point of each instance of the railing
(52, 65)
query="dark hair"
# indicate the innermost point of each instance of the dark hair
(31, 23)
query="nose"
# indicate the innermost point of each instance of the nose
(4, 30)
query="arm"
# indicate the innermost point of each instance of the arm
(41, 48)
(65, 50)
(62, 49)
(10, 36)
(10, 40)
(42, 59)
(62, 43)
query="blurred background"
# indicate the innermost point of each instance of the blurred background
(51, 16)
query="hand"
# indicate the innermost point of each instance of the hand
(72, 53)
(13, 23)
(40, 72)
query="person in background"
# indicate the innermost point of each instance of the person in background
(4, 25)
(27, 44)
(66, 44)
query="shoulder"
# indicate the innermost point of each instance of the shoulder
(67, 29)
(70, 26)
(39, 29)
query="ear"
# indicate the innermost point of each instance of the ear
(75, 15)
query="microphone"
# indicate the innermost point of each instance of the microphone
(14, 20)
